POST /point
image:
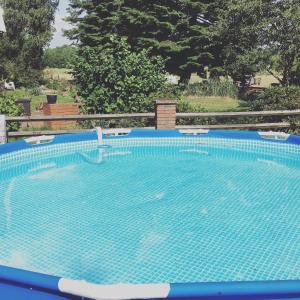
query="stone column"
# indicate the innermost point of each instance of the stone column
(165, 114)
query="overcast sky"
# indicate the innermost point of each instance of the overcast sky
(60, 24)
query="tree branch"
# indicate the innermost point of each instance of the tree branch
(275, 76)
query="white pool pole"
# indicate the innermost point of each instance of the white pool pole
(3, 135)
(99, 135)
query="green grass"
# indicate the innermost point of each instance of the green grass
(63, 97)
(216, 103)
(62, 76)
(58, 74)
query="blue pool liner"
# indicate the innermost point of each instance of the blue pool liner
(146, 133)
(22, 284)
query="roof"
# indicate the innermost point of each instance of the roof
(2, 25)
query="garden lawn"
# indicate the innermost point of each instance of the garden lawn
(37, 100)
(217, 103)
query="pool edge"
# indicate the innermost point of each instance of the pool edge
(56, 286)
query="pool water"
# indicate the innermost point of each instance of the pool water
(153, 214)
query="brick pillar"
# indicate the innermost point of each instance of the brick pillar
(165, 114)
(60, 110)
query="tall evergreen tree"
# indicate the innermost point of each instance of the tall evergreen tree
(175, 29)
(29, 30)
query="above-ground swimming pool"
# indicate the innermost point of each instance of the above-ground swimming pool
(155, 210)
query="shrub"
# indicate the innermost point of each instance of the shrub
(186, 107)
(36, 91)
(9, 107)
(278, 98)
(213, 87)
(113, 79)
(56, 85)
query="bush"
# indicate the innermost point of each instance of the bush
(57, 85)
(213, 87)
(278, 98)
(36, 91)
(113, 79)
(9, 107)
(186, 107)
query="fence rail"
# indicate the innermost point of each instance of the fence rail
(240, 114)
(80, 117)
(154, 116)
(238, 126)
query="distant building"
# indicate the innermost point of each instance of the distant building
(2, 25)
(172, 79)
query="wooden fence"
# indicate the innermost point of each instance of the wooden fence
(266, 126)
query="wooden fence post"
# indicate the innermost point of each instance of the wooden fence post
(3, 132)
(165, 114)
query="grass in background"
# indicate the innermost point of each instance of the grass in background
(214, 96)
(58, 74)
(58, 81)
(37, 100)
(216, 103)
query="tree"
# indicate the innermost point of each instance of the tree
(256, 35)
(113, 79)
(29, 30)
(59, 57)
(175, 29)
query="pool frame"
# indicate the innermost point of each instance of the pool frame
(22, 284)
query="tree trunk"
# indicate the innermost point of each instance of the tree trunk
(287, 69)
(185, 77)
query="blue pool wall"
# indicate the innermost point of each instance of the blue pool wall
(145, 133)
(22, 284)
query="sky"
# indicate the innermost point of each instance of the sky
(60, 24)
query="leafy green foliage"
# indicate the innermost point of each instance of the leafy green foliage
(114, 79)
(278, 98)
(59, 57)
(9, 107)
(213, 87)
(175, 30)
(29, 30)
(256, 35)
(35, 91)
(57, 85)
